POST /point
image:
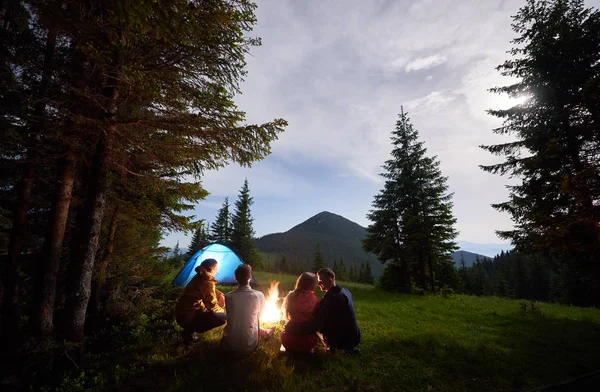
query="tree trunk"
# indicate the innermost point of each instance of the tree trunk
(82, 265)
(422, 272)
(432, 277)
(110, 246)
(10, 311)
(43, 309)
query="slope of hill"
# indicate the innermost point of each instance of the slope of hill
(338, 238)
(469, 257)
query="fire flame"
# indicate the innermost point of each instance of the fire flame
(271, 312)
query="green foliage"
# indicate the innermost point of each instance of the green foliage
(419, 342)
(340, 272)
(391, 278)
(530, 307)
(353, 273)
(242, 233)
(412, 223)
(200, 239)
(221, 229)
(318, 261)
(553, 151)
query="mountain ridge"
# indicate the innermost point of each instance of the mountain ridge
(338, 238)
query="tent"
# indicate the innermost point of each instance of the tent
(227, 259)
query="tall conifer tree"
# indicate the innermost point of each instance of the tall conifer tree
(318, 261)
(555, 147)
(412, 224)
(242, 233)
(221, 228)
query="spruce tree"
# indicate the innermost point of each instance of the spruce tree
(342, 272)
(242, 233)
(361, 273)
(114, 93)
(283, 265)
(555, 143)
(412, 223)
(368, 274)
(222, 227)
(353, 274)
(199, 240)
(318, 261)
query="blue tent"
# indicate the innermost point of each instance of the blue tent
(227, 259)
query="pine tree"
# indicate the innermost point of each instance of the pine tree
(335, 268)
(412, 223)
(362, 273)
(199, 240)
(555, 144)
(177, 257)
(463, 274)
(283, 266)
(342, 273)
(318, 261)
(176, 251)
(221, 229)
(242, 233)
(368, 274)
(353, 274)
(126, 106)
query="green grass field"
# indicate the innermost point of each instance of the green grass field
(409, 343)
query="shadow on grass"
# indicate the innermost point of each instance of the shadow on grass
(514, 353)
(486, 351)
(208, 367)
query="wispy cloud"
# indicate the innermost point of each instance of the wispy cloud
(425, 63)
(339, 71)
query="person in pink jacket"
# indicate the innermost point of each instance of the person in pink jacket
(300, 334)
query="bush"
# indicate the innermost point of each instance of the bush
(446, 292)
(530, 307)
(391, 279)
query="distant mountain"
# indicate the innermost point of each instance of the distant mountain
(469, 257)
(338, 237)
(489, 250)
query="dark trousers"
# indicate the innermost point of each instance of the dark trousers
(204, 321)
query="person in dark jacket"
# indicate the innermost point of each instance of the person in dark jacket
(200, 307)
(335, 315)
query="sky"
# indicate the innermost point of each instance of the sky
(339, 72)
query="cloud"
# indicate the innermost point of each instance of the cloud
(425, 63)
(339, 71)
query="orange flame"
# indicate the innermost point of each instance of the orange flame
(271, 313)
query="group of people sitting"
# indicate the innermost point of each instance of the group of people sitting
(332, 320)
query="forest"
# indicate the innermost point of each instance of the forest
(113, 111)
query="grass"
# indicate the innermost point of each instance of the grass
(409, 343)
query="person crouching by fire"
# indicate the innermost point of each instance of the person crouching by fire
(200, 307)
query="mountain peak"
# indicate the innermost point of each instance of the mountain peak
(326, 222)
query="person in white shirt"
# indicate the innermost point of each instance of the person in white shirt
(243, 306)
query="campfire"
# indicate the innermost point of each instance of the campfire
(272, 311)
